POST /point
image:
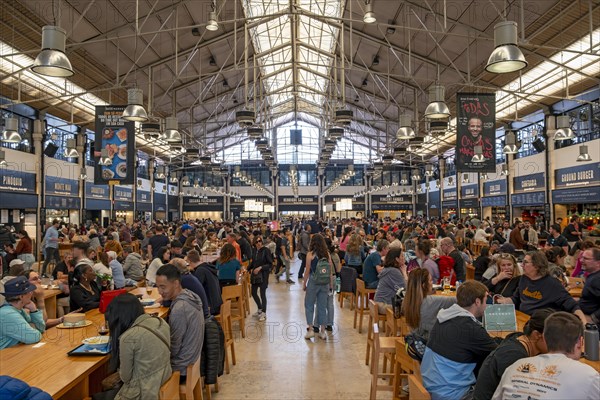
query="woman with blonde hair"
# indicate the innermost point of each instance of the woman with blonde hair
(355, 254)
(507, 277)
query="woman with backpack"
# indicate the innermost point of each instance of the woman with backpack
(318, 281)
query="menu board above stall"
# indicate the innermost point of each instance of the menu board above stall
(579, 175)
(531, 182)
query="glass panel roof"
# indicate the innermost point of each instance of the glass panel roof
(315, 40)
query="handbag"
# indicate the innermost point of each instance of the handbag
(111, 382)
(107, 296)
(256, 279)
(415, 345)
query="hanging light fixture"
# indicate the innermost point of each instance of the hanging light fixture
(185, 181)
(160, 172)
(510, 144)
(506, 57)
(83, 173)
(2, 158)
(52, 60)
(465, 178)
(104, 158)
(171, 134)
(173, 178)
(71, 150)
(437, 107)
(369, 17)
(438, 184)
(583, 154)
(10, 134)
(478, 156)
(429, 170)
(405, 131)
(135, 110)
(416, 174)
(563, 128)
(483, 176)
(404, 178)
(212, 24)
(504, 171)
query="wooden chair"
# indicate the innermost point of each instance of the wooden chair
(470, 272)
(416, 389)
(235, 294)
(192, 388)
(343, 295)
(374, 318)
(381, 346)
(229, 342)
(170, 389)
(391, 323)
(361, 302)
(246, 292)
(404, 366)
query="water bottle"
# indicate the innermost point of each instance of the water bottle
(338, 284)
(591, 337)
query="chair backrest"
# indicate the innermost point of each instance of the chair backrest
(348, 279)
(360, 286)
(193, 377)
(416, 390)
(232, 292)
(470, 272)
(170, 389)
(226, 318)
(402, 358)
(375, 338)
(373, 310)
(390, 322)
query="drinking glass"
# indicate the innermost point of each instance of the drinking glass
(446, 284)
(103, 329)
(149, 290)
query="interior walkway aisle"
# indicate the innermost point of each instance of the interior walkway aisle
(274, 361)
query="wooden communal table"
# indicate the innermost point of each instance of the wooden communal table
(48, 366)
(50, 301)
(209, 258)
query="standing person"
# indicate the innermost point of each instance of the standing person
(229, 266)
(139, 349)
(372, 266)
(392, 277)
(557, 374)
(157, 241)
(457, 346)
(262, 261)
(20, 319)
(316, 292)
(516, 239)
(530, 236)
(447, 247)
(24, 250)
(355, 254)
(573, 232)
(186, 319)
(303, 244)
(51, 246)
(345, 238)
(285, 256)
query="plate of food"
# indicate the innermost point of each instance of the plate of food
(107, 174)
(96, 341)
(121, 169)
(108, 133)
(122, 153)
(112, 149)
(122, 134)
(147, 302)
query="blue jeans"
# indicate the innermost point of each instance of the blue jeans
(315, 294)
(330, 310)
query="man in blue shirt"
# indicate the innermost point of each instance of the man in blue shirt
(372, 264)
(51, 245)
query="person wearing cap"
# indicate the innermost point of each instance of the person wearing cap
(16, 268)
(516, 346)
(186, 231)
(20, 319)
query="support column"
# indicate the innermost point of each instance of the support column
(442, 163)
(38, 141)
(152, 186)
(80, 139)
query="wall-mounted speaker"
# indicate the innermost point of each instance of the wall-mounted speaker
(539, 145)
(50, 149)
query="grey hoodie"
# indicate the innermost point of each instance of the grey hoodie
(390, 280)
(132, 267)
(454, 311)
(186, 320)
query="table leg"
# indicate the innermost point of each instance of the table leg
(50, 304)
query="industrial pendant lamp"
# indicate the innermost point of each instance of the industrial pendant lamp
(213, 22)
(2, 158)
(83, 173)
(416, 174)
(52, 60)
(437, 107)
(504, 171)
(160, 172)
(173, 178)
(563, 131)
(135, 109)
(510, 144)
(583, 154)
(171, 134)
(478, 156)
(71, 150)
(506, 57)
(429, 170)
(483, 176)
(369, 17)
(10, 133)
(405, 131)
(185, 181)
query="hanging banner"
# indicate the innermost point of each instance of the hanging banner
(476, 120)
(117, 137)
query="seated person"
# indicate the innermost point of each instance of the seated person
(562, 374)
(113, 245)
(163, 257)
(20, 319)
(537, 289)
(228, 266)
(186, 319)
(590, 296)
(208, 277)
(457, 345)
(38, 298)
(102, 267)
(515, 347)
(85, 292)
(425, 254)
(176, 249)
(372, 262)
(420, 306)
(132, 266)
(117, 272)
(13, 388)
(482, 263)
(507, 277)
(65, 268)
(392, 277)
(190, 282)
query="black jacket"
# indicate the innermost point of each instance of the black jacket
(262, 258)
(6, 236)
(207, 275)
(481, 265)
(213, 351)
(246, 249)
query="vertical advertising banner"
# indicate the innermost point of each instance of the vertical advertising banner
(117, 137)
(475, 127)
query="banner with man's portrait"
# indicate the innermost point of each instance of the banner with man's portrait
(476, 132)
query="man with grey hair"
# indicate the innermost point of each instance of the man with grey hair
(447, 247)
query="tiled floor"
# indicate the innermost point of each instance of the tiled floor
(274, 361)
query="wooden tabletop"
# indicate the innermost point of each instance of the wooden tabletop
(48, 366)
(51, 293)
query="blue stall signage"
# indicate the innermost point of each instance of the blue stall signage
(61, 186)
(528, 183)
(469, 191)
(62, 202)
(450, 204)
(581, 195)
(143, 196)
(579, 175)
(493, 201)
(528, 199)
(123, 194)
(392, 199)
(388, 206)
(160, 199)
(16, 181)
(450, 194)
(494, 188)
(96, 191)
(297, 200)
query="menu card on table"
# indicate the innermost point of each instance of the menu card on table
(500, 317)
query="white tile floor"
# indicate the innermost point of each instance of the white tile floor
(274, 361)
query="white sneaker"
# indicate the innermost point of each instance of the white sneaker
(262, 317)
(323, 334)
(310, 333)
(257, 314)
